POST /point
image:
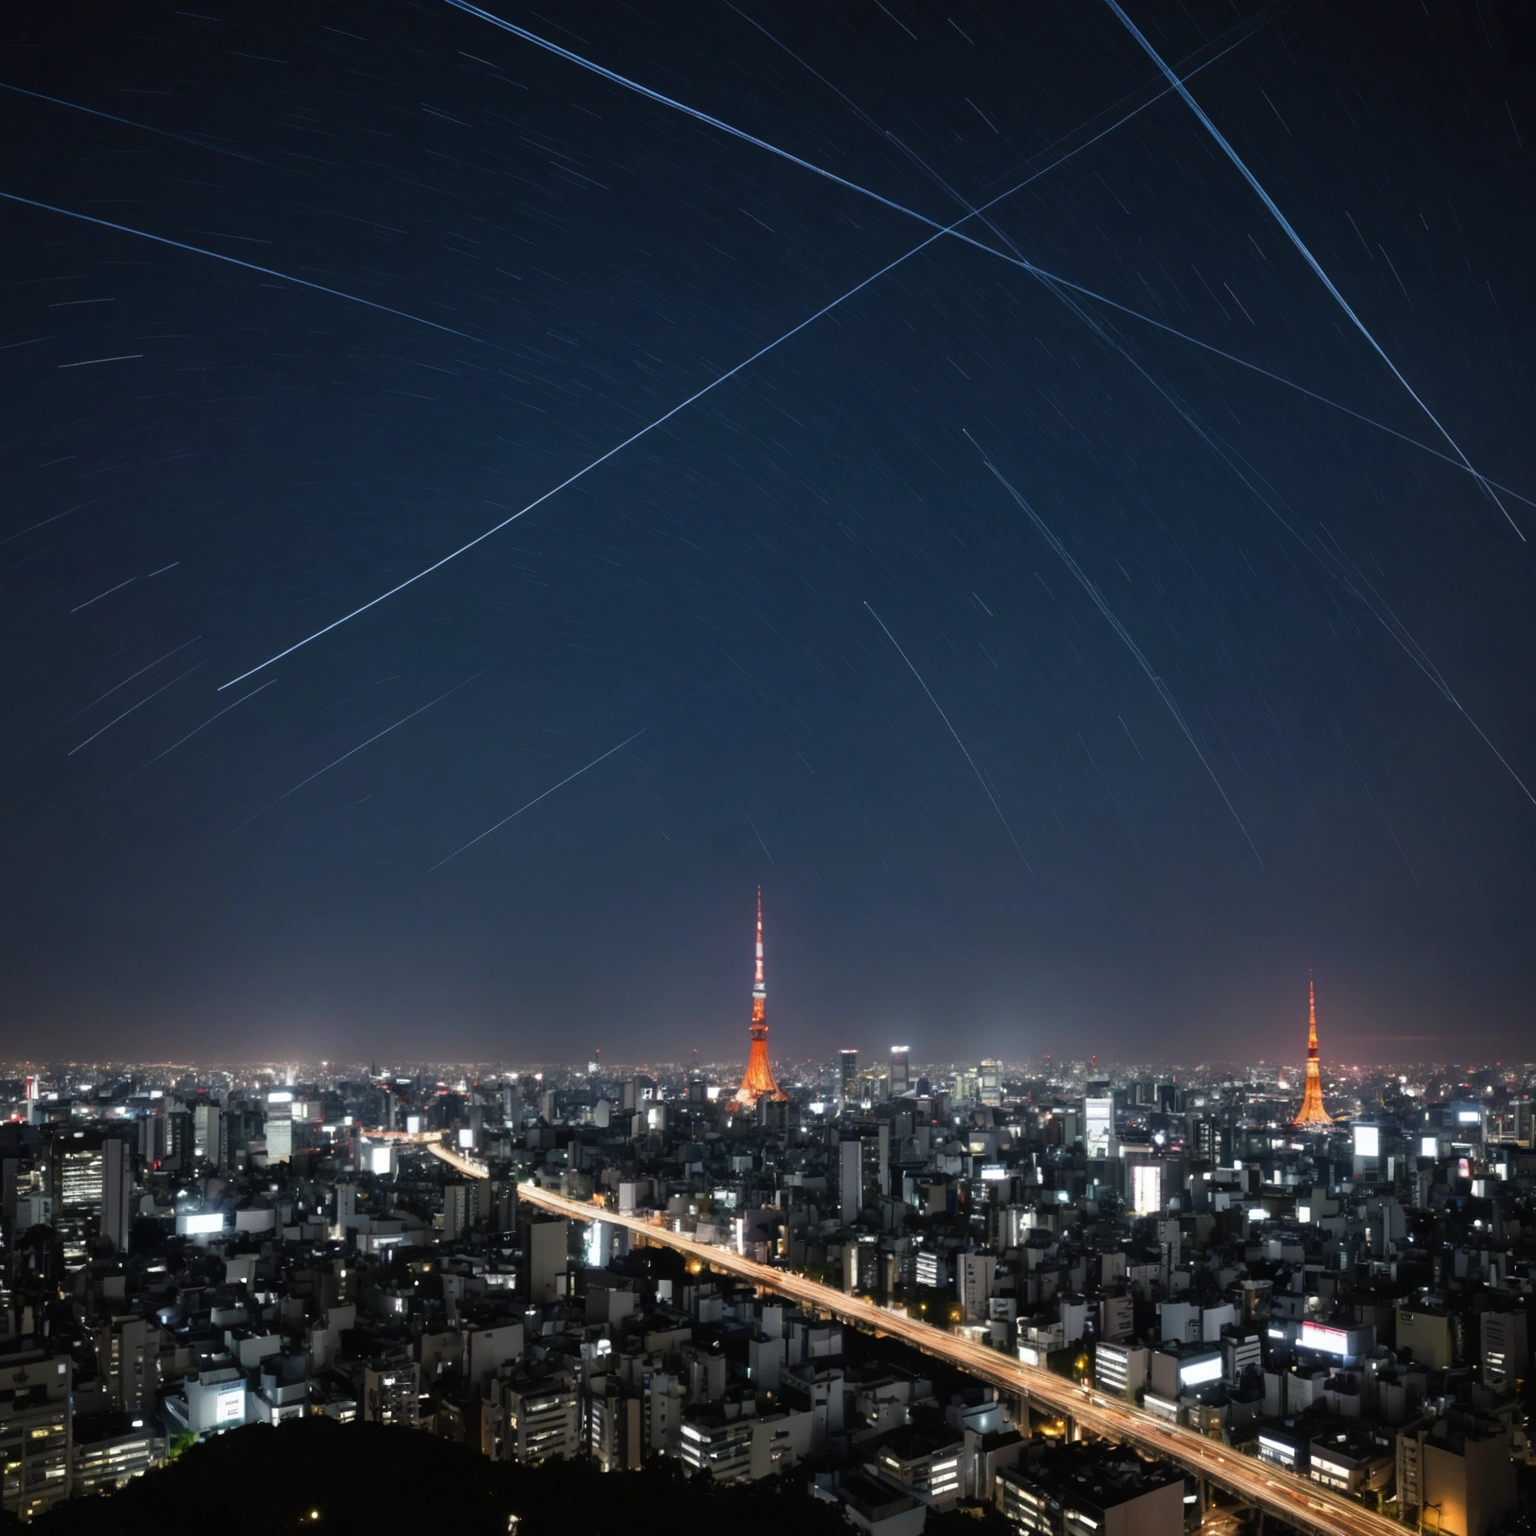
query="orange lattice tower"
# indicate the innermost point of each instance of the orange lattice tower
(1312, 1114)
(757, 1081)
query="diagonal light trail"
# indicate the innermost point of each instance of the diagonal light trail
(985, 787)
(128, 122)
(142, 702)
(634, 437)
(1332, 561)
(188, 737)
(585, 768)
(1306, 255)
(336, 762)
(1458, 460)
(1097, 598)
(235, 261)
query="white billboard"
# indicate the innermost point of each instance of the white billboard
(1147, 1188)
(1331, 1341)
(1367, 1141)
(197, 1224)
(1198, 1371)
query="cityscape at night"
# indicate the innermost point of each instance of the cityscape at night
(769, 767)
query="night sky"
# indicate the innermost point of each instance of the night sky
(1234, 682)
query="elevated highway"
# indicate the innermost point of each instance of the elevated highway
(1289, 1498)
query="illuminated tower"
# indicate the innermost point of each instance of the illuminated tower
(757, 1081)
(1312, 1114)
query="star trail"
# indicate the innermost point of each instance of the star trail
(569, 436)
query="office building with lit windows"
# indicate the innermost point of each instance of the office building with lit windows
(36, 1428)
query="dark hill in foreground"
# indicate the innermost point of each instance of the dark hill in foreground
(259, 1482)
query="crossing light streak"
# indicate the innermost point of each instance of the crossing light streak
(1458, 460)
(618, 448)
(1306, 255)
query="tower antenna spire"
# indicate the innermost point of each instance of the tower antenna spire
(757, 1081)
(1312, 1115)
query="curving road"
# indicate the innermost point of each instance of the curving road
(1292, 1499)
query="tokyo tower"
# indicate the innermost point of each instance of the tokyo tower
(1312, 1115)
(757, 1081)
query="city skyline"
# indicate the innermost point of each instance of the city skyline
(787, 749)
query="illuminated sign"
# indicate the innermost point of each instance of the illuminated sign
(1367, 1141)
(231, 1406)
(1195, 1372)
(1331, 1341)
(195, 1226)
(279, 1098)
(381, 1159)
(1469, 1116)
(993, 1172)
(1429, 1146)
(466, 1137)
(1147, 1188)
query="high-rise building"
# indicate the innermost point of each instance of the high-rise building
(78, 1188)
(542, 1416)
(116, 1193)
(1098, 1126)
(280, 1126)
(1312, 1115)
(205, 1132)
(458, 1210)
(1506, 1350)
(545, 1243)
(848, 1072)
(850, 1179)
(128, 1362)
(757, 1081)
(901, 1069)
(989, 1082)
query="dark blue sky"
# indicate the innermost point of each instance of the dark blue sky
(202, 464)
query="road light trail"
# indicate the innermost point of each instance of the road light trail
(1306, 255)
(986, 789)
(1284, 1495)
(1458, 460)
